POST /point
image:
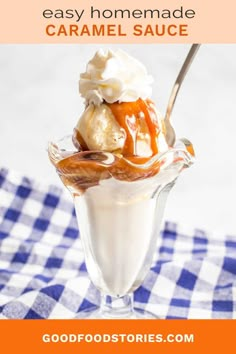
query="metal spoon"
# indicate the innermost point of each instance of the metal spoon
(170, 133)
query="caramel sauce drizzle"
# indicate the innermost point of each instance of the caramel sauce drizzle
(136, 118)
(79, 141)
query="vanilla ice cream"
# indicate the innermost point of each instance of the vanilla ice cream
(100, 130)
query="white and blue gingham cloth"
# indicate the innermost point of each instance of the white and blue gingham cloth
(43, 274)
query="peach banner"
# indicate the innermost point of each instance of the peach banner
(119, 21)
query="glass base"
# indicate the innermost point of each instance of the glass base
(115, 308)
(96, 313)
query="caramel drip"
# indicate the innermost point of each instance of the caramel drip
(135, 118)
(152, 126)
(79, 141)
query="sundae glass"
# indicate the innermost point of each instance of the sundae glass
(119, 169)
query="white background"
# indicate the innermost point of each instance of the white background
(40, 101)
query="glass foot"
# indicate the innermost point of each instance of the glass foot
(115, 308)
(96, 313)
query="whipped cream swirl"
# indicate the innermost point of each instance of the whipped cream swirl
(114, 76)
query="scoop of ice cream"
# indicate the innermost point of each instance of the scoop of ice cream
(130, 128)
(114, 76)
(99, 129)
(119, 116)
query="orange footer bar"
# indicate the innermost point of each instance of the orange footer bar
(111, 336)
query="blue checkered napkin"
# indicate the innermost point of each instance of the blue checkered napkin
(43, 275)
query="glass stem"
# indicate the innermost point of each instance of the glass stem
(116, 307)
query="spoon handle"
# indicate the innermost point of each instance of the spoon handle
(186, 65)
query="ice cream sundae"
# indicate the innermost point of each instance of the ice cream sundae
(119, 169)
